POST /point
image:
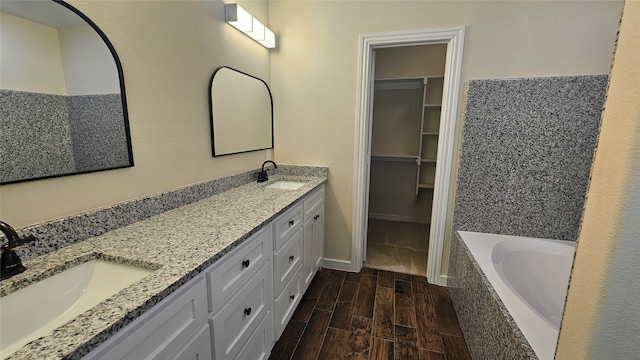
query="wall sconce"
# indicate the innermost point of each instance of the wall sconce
(240, 19)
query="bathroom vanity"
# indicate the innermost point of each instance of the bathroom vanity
(228, 273)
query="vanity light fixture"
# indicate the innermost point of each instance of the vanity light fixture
(240, 19)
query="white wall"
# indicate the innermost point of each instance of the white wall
(168, 50)
(89, 67)
(601, 319)
(315, 69)
(30, 56)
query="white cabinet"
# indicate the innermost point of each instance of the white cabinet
(313, 236)
(285, 304)
(228, 275)
(234, 323)
(198, 347)
(239, 306)
(177, 325)
(287, 261)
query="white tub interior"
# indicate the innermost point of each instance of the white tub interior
(531, 277)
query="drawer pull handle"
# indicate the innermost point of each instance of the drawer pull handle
(247, 311)
(291, 222)
(291, 297)
(291, 258)
(245, 263)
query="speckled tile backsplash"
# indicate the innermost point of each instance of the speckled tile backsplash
(59, 233)
(75, 134)
(98, 135)
(20, 113)
(526, 154)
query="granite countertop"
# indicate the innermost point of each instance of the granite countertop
(177, 245)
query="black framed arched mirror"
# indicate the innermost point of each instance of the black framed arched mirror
(63, 107)
(241, 112)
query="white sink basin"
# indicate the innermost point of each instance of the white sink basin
(287, 185)
(38, 309)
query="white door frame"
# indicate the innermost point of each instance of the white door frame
(454, 38)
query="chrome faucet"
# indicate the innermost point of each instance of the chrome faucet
(10, 263)
(262, 175)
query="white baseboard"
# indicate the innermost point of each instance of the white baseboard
(336, 264)
(391, 217)
(441, 280)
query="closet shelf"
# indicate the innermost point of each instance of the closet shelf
(426, 186)
(433, 105)
(393, 157)
(430, 133)
(428, 160)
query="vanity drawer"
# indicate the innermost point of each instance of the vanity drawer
(197, 347)
(261, 342)
(313, 202)
(161, 330)
(236, 321)
(286, 225)
(286, 262)
(286, 303)
(238, 267)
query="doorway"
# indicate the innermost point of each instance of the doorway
(407, 99)
(453, 39)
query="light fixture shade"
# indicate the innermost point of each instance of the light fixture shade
(238, 17)
(257, 31)
(269, 39)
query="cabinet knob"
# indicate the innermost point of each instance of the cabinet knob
(291, 258)
(291, 297)
(247, 311)
(245, 263)
(291, 222)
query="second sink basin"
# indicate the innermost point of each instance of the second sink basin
(38, 309)
(287, 185)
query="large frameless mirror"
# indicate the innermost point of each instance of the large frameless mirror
(241, 113)
(62, 98)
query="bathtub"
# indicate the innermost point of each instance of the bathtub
(530, 276)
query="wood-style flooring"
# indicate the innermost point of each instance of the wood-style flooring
(374, 314)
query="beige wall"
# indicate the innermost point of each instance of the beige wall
(89, 67)
(168, 50)
(315, 68)
(601, 318)
(30, 56)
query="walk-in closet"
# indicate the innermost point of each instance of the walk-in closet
(407, 103)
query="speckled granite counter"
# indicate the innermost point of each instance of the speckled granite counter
(177, 244)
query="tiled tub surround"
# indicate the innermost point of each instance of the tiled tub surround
(526, 154)
(178, 243)
(528, 280)
(489, 330)
(76, 133)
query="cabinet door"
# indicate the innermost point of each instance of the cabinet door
(236, 268)
(235, 322)
(286, 225)
(308, 261)
(318, 239)
(161, 330)
(286, 303)
(286, 262)
(198, 347)
(259, 346)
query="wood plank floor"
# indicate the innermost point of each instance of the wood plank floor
(374, 314)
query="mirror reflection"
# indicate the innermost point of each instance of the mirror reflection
(62, 101)
(241, 113)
